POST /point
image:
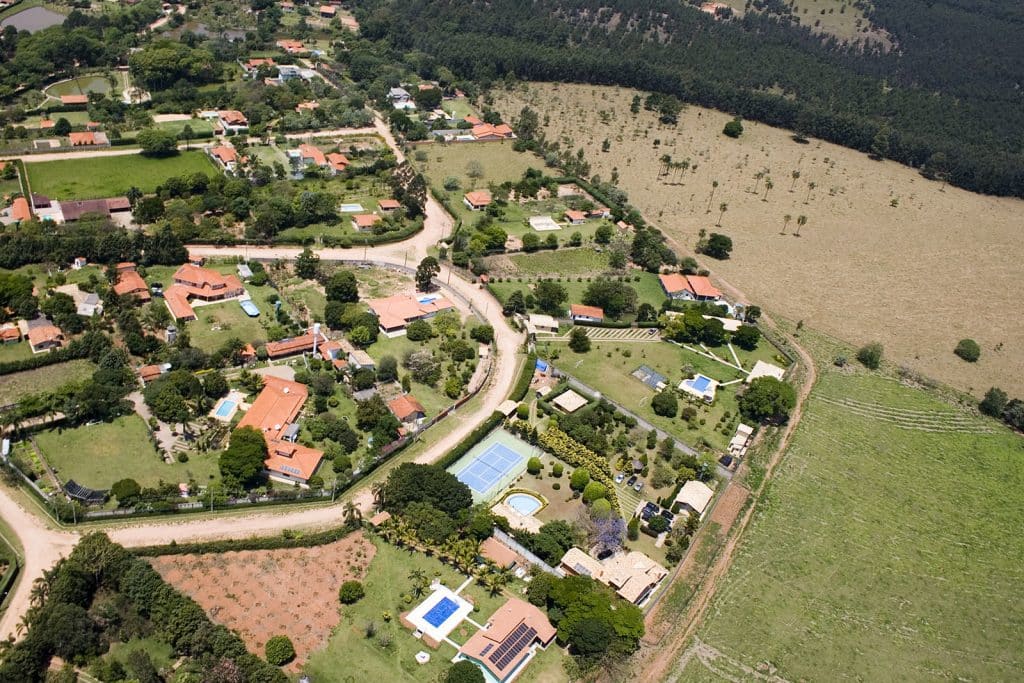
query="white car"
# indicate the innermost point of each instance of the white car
(619, 477)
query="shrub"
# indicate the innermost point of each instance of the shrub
(579, 479)
(594, 491)
(870, 355)
(533, 465)
(658, 524)
(664, 403)
(556, 486)
(279, 650)
(969, 350)
(633, 529)
(351, 592)
(734, 128)
(994, 402)
(464, 671)
(557, 469)
(523, 411)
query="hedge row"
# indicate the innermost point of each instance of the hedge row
(52, 358)
(474, 437)
(522, 385)
(285, 540)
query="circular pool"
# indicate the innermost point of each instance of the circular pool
(524, 503)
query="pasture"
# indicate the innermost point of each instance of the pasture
(875, 259)
(18, 385)
(885, 548)
(110, 176)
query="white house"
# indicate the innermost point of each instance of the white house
(694, 498)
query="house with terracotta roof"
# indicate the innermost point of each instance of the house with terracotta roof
(247, 355)
(389, 205)
(45, 338)
(599, 212)
(364, 222)
(287, 5)
(20, 210)
(395, 312)
(10, 333)
(632, 575)
(252, 66)
(194, 282)
(689, 287)
(45, 124)
(88, 139)
(308, 105)
(338, 162)
(148, 373)
(225, 156)
(291, 46)
(130, 283)
(291, 346)
(575, 217)
(310, 154)
(274, 414)
(233, 121)
(74, 99)
(586, 314)
(328, 11)
(484, 132)
(473, 120)
(407, 409)
(509, 640)
(333, 352)
(477, 200)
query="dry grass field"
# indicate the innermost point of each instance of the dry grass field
(885, 254)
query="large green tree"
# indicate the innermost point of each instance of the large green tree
(767, 400)
(616, 298)
(413, 482)
(242, 462)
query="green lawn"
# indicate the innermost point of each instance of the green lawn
(585, 261)
(99, 455)
(159, 652)
(459, 108)
(364, 658)
(75, 118)
(607, 368)
(197, 126)
(15, 351)
(20, 384)
(888, 546)
(432, 398)
(647, 287)
(111, 176)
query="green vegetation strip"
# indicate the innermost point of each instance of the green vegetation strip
(110, 176)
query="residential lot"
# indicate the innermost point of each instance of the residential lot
(895, 497)
(111, 176)
(647, 287)
(100, 454)
(20, 384)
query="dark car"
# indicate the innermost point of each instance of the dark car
(667, 515)
(631, 480)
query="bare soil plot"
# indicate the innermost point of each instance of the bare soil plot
(940, 265)
(264, 593)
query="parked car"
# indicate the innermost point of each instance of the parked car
(619, 477)
(667, 515)
(631, 480)
(638, 486)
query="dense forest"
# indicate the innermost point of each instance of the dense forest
(946, 99)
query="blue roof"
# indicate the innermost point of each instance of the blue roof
(542, 365)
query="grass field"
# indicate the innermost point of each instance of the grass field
(584, 261)
(365, 659)
(648, 288)
(110, 176)
(887, 547)
(21, 384)
(99, 455)
(854, 239)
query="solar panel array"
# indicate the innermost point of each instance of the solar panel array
(514, 644)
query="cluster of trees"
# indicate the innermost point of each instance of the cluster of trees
(767, 399)
(101, 593)
(693, 327)
(434, 505)
(1000, 406)
(958, 115)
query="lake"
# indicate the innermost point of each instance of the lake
(34, 19)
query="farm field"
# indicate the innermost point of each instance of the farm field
(885, 548)
(829, 276)
(387, 580)
(111, 176)
(20, 384)
(234, 587)
(99, 455)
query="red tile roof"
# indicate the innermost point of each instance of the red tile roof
(313, 154)
(328, 10)
(338, 161)
(131, 283)
(202, 283)
(20, 210)
(148, 373)
(479, 197)
(406, 408)
(484, 130)
(588, 311)
(473, 120)
(364, 221)
(274, 409)
(389, 204)
(47, 123)
(74, 99)
(291, 45)
(395, 312)
(701, 286)
(289, 347)
(257, 62)
(485, 645)
(224, 154)
(575, 216)
(82, 139)
(10, 333)
(309, 105)
(673, 283)
(233, 117)
(44, 334)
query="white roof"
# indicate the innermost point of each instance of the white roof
(508, 407)
(570, 401)
(745, 430)
(543, 223)
(730, 324)
(696, 495)
(762, 369)
(541, 320)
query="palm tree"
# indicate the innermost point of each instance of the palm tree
(378, 494)
(757, 179)
(722, 208)
(801, 221)
(768, 185)
(420, 581)
(810, 188)
(714, 186)
(665, 159)
(796, 177)
(352, 515)
(785, 223)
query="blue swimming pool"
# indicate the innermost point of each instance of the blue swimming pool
(225, 408)
(524, 503)
(351, 208)
(700, 383)
(439, 613)
(249, 308)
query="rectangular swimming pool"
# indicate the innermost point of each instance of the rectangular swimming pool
(439, 613)
(700, 383)
(225, 408)
(351, 208)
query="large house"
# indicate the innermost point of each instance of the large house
(69, 211)
(485, 131)
(689, 287)
(586, 314)
(252, 66)
(394, 313)
(477, 200)
(293, 345)
(273, 413)
(632, 575)
(130, 283)
(693, 498)
(88, 139)
(225, 156)
(407, 409)
(45, 338)
(193, 282)
(509, 640)
(233, 121)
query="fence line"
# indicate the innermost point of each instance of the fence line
(530, 557)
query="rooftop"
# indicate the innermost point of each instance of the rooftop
(569, 401)
(506, 641)
(397, 311)
(271, 413)
(406, 408)
(587, 311)
(695, 495)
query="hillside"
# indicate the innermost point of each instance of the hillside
(941, 265)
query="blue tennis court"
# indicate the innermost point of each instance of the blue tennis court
(489, 467)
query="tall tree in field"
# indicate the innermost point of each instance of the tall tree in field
(810, 188)
(426, 272)
(722, 208)
(714, 186)
(757, 181)
(785, 223)
(801, 221)
(768, 185)
(666, 161)
(796, 176)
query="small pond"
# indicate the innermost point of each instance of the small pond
(34, 19)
